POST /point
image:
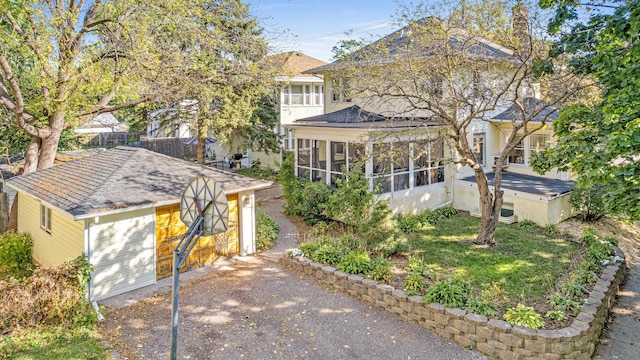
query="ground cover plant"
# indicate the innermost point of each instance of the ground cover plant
(537, 276)
(266, 231)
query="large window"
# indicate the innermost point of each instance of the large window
(339, 90)
(479, 147)
(539, 142)
(45, 218)
(428, 165)
(306, 95)
(516, 156)
(393, 167)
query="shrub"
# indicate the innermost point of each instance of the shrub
(391, 247)
(355, 262)
(588, 200)
(329, 254)
(589, 237)
(351, 200)
(447, 211)
(415, 283)
(524, 316)
(15, 255)
(556, 315)
(52, 296)
(572, 289)
(481, 305)
(416, 264)
(266, 231)
(528, 225)
(349, 242)
(552, 230)
(564, 303)
(308, 248)
(380, 269)
(598, 253)
(408, 223)
(452, 292)
(584, 275)
(376, 227)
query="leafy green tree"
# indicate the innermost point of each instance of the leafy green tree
(64, 62)
(600, 142)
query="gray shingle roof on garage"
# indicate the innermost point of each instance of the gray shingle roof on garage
(120, 178)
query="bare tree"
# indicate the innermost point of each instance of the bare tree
(460, 65)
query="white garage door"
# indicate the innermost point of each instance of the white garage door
(122, 252)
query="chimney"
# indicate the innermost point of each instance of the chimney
(520, 26)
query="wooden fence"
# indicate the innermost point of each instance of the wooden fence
(169, 146)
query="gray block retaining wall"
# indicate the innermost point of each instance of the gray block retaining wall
(495, 338)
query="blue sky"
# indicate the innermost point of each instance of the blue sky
(315, 26)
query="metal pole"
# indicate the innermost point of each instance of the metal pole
(174, 306)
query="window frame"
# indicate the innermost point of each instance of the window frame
(45, 218)
(483, 147)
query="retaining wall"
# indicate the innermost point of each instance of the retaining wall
(492, 337)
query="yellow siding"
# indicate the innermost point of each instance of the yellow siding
(66, 240)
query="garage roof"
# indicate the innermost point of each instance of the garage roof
(122, 178)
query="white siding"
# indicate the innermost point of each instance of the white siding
(122, 251)
(65, 242)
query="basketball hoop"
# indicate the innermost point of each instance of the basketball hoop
(222, 240)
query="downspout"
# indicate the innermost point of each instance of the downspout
(89, 254)
(452, 188)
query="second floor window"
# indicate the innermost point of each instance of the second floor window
(339, 90)
(302, 95)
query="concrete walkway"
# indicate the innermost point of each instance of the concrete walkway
(269, 202)
(620, 339)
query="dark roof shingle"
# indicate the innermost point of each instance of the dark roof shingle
(122, 177)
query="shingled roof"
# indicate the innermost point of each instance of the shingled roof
(395, 47)
(122, 178)
(293, 63)
(534, 109)
(356, 117)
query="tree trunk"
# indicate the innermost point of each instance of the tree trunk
(490, 212)
(202, 142)
(48, 150)
(13, 216)
(4, 212)
(31, 156)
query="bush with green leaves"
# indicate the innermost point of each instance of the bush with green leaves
(564, 303)
(598, 253)
(528, 225)
(552, 230)
(524, 316)
(392, 246)
(408, 223)
(328, 254)
(556, 315)
(451, 292)
(349, 242)
(267, 231)
(573, 289)
(380, 269)
(355, 262)
(15, 255)
(588, 201)
(584, 275)
(481, 305)
(589, 237)
(416, 264)
(415, 283)
(308, 248)
(351, 201)
(376, 227)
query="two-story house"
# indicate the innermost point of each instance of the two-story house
(407, 153)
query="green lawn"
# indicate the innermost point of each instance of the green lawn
(54, 343)
(525, 264)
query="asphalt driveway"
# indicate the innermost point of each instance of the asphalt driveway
(252, 308)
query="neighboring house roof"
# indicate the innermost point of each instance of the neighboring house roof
(101, 121)
(529, 184)
(535, 110)
(356, 117)
(293, 63)
(122, 178)
(396, 43)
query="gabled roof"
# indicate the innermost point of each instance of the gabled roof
(395, 42)
(355, 117)
(293, 63)
(122, 178)
(535, 110)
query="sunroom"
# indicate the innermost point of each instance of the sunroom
(404, 159)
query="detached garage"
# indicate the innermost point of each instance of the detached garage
(121, 208)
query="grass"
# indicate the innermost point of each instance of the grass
(524, 264)
(80, 342)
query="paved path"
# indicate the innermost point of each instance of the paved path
(269, 201)
(621, 338)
